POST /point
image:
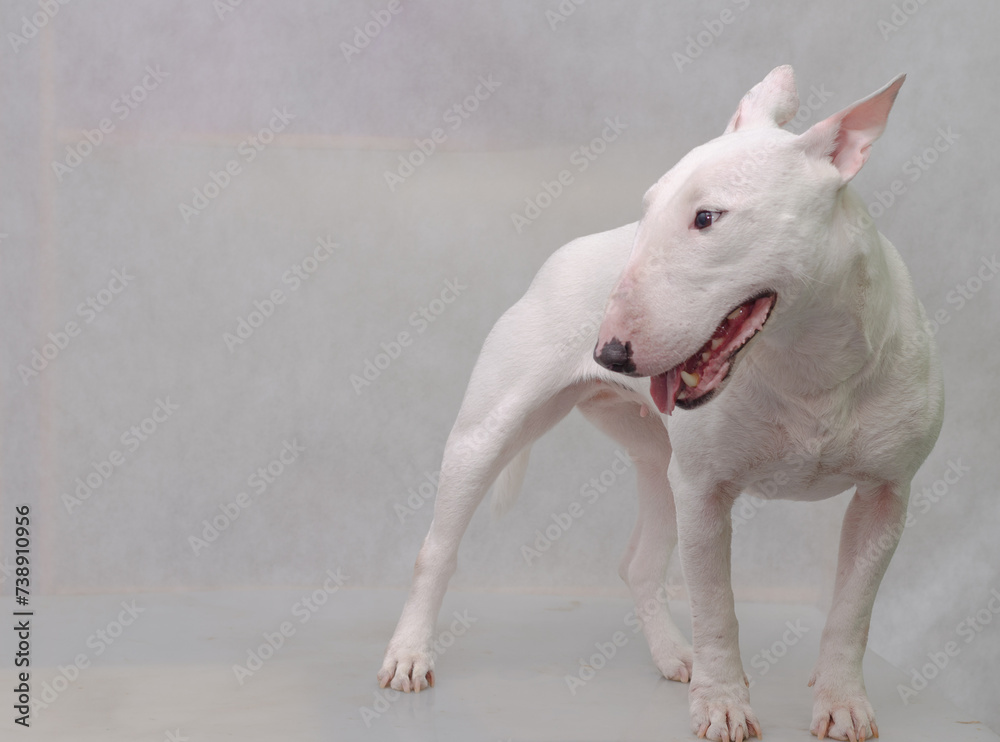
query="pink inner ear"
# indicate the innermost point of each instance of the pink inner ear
(851, 150)
(856, 127)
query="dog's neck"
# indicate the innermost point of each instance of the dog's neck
(835, 327)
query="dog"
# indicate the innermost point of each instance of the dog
(755, 305)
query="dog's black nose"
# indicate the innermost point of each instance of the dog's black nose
(615, 357)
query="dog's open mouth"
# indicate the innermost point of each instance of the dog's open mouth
(696, 380)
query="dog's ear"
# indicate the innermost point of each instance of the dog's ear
(771, 102)
(846, 138)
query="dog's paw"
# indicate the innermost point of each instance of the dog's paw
(722, 713)
(845, 714)
(674, 660)
(406, 670)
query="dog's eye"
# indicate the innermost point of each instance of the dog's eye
(705, 219)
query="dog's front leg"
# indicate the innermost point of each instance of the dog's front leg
(719, 696)
(872, 526)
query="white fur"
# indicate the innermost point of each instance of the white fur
(843, 380)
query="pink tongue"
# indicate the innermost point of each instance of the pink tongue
(663, 389)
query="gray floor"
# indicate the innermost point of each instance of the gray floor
(502, 674)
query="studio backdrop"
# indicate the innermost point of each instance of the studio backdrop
(250, 252)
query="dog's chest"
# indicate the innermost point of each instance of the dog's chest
(809, 470)
(805, 456)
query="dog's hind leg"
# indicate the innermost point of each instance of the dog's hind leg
(644, 565)
(535, 366)
(505, 410)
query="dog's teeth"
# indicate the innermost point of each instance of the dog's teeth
(734, 314)
(706, 355)
(716, 342)
(690, 379)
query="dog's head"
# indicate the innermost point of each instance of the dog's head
(730, 237)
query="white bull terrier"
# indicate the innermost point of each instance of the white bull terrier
(782, 331)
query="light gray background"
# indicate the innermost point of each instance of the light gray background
(324, 177)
